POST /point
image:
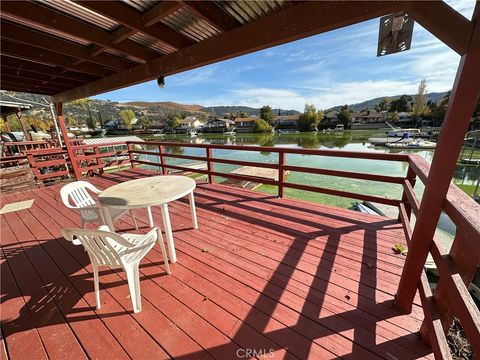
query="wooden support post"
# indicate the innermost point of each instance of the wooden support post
(130, 155)
(211, 178)
(459, 112)
(281, 173)
(161, 151)
(77, 172)
(23, 125)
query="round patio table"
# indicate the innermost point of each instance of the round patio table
(148, 192)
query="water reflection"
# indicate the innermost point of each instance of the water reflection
(465, 176)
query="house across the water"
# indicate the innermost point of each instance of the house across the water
(286, 122)
(245, 125)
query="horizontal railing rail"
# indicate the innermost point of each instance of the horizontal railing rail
(456, 268)
(280, 166)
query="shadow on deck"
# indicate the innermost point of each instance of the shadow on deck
(261, 277)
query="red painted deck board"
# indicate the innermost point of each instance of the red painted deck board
(302, 279)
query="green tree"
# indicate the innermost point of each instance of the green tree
(127, 117)
(261, 126)
(266, 114)
(91, 122)
(308, 121)
(173, 119)
(144, 123)
(402, 104)
(383, 105)
(345, 117)
(100, 119)
(395, 117)
(419, 101)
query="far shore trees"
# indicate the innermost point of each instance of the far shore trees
(173, 119)
(266, 114)
(345, 117)
(419, 102)
(402, 104)
(261, 126)
(127, 117)
(308, 121)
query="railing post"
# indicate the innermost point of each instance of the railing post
(33, 166)
(130, 155)
(411, 178)
(281, 173)
(161, 151)
(211, 178)
(77, 171)
(98, 158)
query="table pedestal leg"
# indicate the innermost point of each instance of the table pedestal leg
(150, 217)
(108, 218)
(193, 210)
(169, 234)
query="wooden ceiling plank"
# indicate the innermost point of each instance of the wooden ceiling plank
(36, 13)
(57, 45)
(133, 19)
(25, 82)
(31, 76)
(444, 22)
(45, 56)
(160, 11)
(293, 23)
(211, 13)
(19, 65)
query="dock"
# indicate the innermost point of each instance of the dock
(389, 140)
(270, 174)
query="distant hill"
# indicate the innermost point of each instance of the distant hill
(370, 104)
(220, 110)
(109, 110)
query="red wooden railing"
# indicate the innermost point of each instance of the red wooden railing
(48, 164)
(90, 158)
(281, 166)
(456, 268)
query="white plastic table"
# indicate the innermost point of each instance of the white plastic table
(148, 192)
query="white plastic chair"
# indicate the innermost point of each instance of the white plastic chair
(106, 248)
(77, 193)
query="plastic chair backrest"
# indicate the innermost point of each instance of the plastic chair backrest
(99, 244)
(77, 192)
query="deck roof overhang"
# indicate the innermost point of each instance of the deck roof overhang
(77, 49)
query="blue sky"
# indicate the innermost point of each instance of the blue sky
(339, 67)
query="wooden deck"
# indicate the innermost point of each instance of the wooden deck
(300, 279)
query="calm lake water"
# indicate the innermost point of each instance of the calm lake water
(465, 176)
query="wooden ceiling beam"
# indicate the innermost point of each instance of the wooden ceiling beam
(35, 54)
(122, 33)
(19, 65)
(131, 18)
(444, 22)
(36, 13)
(58, 45)
(212, 14)
(160, 11)
(293, 23)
